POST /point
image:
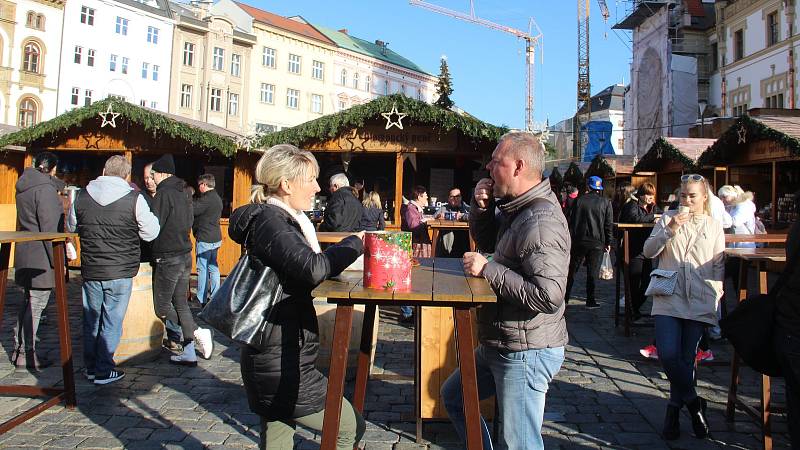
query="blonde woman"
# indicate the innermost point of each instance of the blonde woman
(282, 383)
(690, 243)
(372, 217)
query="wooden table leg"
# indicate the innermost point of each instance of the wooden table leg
(617, 282)
(766, 407)
(63, 323)
(418, 372)
(469, 377)
(473, 246)
(626, 269)
(338, 367)
(434, 240)
(730, 408)
(5, 255)
(364, 357)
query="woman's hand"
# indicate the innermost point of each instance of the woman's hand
(678, 220)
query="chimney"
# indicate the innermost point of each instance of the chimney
(343, 30)
(382, 45)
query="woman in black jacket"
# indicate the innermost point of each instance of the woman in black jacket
(282, 383)
(372, 218)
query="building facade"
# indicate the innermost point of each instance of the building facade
(30, 43)
(119, 48)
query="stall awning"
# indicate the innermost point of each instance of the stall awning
(685, 151)
(782, 127)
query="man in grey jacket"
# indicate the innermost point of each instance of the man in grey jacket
(516, 216)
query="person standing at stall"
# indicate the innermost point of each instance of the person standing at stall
(343, 212)
(372, 217)
(207, 210)
(411, 219)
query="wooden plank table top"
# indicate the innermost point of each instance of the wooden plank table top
(28, 236)
(447, 224)
(772, 238)
(758, 254)
(634, 225)
(332, 237)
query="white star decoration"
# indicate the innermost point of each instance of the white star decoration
(105, 115)
(388, 116)
(742, 132)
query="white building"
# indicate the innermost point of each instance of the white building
(119, 48)
(30, 42)
(755, 54)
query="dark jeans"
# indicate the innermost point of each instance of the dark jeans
(594, 257)
(787, 347)
(639, 269)
(28, 318)
(170, 288)
(676, 340)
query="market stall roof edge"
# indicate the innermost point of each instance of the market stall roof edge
(685, 151)
(781, 128)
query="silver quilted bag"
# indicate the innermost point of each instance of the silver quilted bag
(662, 282)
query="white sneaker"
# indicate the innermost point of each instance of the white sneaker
(204, 341)
(187, 358)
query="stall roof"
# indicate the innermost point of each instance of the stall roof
(330, 126)
(683, 150)
(778, 126)
(195, 133)
(609, 166)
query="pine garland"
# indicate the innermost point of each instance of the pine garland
(728, 145)
(601, 168)
(574, 176)
(152, 122)
(556, 180)
(651, 160)
(330, 126)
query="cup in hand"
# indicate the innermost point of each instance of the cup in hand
(682, 209)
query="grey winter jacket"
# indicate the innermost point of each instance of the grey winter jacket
(528, 270)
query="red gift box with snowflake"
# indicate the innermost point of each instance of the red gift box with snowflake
(387, 260)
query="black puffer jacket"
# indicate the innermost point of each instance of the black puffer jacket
(282, 381)
(343, 212)
(633, 212)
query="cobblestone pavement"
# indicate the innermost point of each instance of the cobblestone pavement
(605, 396)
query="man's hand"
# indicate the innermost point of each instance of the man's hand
(608, 248)
(483, 192)
(474, 263)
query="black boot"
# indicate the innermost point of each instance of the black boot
(672, 427)
(697, 411)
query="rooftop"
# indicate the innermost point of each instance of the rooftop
(299, 27)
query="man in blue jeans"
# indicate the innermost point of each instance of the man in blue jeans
(522, 336)
(207, 209)
(110, 217)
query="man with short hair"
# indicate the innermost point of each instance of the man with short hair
(172, 256)
(591, 222)
(207, 209)
(453, 244)
(343, 212)
(110, 218)
(522, 336)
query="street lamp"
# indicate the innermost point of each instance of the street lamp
(702, 105)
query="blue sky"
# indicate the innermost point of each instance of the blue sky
(487, 66)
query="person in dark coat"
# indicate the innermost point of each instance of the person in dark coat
(343, 212)
(39, 209)
(644, 210)
(372, 217)
(282, 383)
(207, 209)
(453, 244)
(591, 222)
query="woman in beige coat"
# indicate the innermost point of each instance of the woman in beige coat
(689, 243)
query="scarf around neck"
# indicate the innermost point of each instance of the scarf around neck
(306, 227)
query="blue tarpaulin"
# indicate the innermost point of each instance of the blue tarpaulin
(598, 141)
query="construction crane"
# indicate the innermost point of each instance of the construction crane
(531, 41)
(584, 96)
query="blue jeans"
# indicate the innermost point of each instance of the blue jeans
(519, 380)
(104, 306)
(207, 269)
(677, 340)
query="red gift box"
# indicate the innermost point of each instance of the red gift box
(387, 260)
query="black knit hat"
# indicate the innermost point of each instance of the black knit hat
(165, 164)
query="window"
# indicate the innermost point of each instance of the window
(738, 45)
(152, 35)
(267, 93)
(35, 21)
(236, 62)
(216, 99)
(155, 72)
(27, 112)
(294, 64)
(186, 96)
(219, 59)
(188, 54)
(145, 67)
(233, 104)
(31, 61)
(740, 110)
(76, 92)
(153, 104)
(355, 81)
(774, 101)
(142, 103)
(78, 52)
(403, 89)
(342, 105)
(316, 103)
(773, 33)
(39, 22)
(124, 67)
(714, 57)
(318, 70)
(367, 85)
(90, 57)
(122, 26)
(292, 98)
(266, 128)
(87, 15)
(31, 20)
(385, 87)
(87, 97)
(112, 63)
(268, 57)
(343, 78)
(419, 94)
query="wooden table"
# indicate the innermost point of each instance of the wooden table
(771, 238)
(332, 237)
(624, 263)
(67, 393)
(759, 256)
(452, 290)
(436, 226)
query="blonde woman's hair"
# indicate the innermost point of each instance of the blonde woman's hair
(372, 200)
(706, 188)
(281, 162)
(743, 195)
(728, 191)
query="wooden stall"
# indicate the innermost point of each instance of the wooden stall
(669, 158)
(761, 153)
(85, 137)
(615, 170)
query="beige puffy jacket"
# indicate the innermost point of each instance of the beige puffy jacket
(696, 252)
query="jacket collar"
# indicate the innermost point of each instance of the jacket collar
(515, 205)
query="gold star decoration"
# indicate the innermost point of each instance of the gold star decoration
(742, 132)
(106, 120)
(356, 141)
(393, 113)
(92, 140)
